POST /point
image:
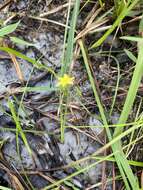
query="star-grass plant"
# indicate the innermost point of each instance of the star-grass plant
(66, 63)
(65, 81)
(124, 167)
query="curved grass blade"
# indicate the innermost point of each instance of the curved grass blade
(8, 29)
(21, 41)
(18, 126)
(33, 61)
(117, 23)
(121, 160)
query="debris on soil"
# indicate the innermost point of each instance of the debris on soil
(37, 111)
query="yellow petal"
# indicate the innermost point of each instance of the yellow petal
(65, 81)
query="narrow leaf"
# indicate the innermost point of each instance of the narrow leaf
(117, 23)
(21, 41)
(39, 89)
(130, 55)
(33, 61)
(70, 41)
(18, 125)
(132, 38)
(8, 29)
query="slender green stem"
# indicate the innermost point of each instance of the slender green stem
(136, 79)
(121, 160)
(117, 22)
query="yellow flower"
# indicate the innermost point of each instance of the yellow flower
(65, 81)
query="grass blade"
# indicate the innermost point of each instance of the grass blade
(120, 157)
(70, 42)
(18, 126)
(117, 23)
(136, 79)
(21, 41)
(66, 62)
(114, 140)
(4, 188)
(30, 60)
(8, 29)
(130, 55)
(38, 89)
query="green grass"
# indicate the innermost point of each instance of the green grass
(18, 127)
(4, 188)
(121, 160)
(132, 92)
(36, 63)
(120, 157)
(93, 156)
(101, 3)
(8, 29)
(120, 152)
(127, 8)
(66, 63)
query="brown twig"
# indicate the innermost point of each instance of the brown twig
(103, 186)
(17, 67)
(50, 179)
(5, 4)
(59, 8)
(113, 173)
(142, 179)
